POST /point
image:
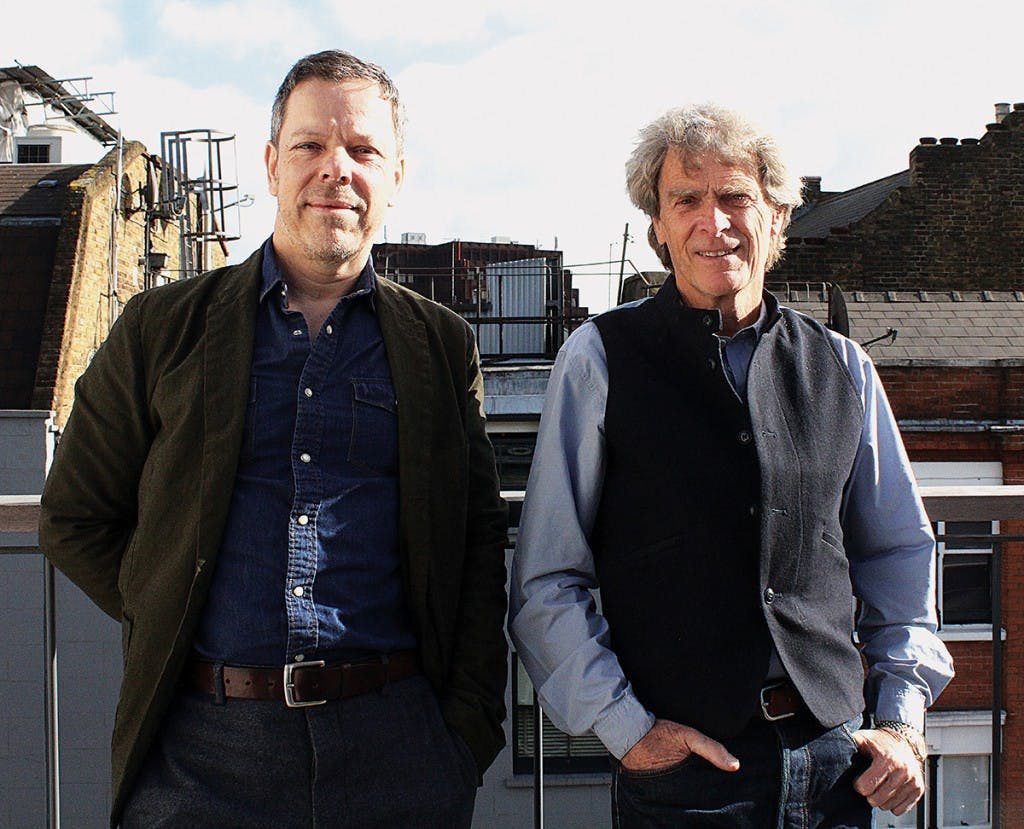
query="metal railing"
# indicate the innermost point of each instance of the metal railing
(19, 516)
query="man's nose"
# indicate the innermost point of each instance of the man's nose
(337, 166)
(714, 218)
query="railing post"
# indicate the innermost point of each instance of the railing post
(997, 683)
(538, 763)
(50, 686)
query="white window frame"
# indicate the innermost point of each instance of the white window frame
(958, 473)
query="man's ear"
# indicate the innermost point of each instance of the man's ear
(399, 181)
(656, 230)
(270, 159)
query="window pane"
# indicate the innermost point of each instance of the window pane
(965, 588)
(513, 454)
(886, 820)
(33, 153)
(965, 790)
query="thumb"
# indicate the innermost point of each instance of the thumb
(713, 751)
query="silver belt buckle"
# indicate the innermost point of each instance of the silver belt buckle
(765, 690)
(289, 684)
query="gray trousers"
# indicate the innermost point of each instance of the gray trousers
(379, 760)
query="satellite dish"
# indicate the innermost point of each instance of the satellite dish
(838, 316)
(151, 187)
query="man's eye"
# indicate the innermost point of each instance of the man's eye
(739, 198)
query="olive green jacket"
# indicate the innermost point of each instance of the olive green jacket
(136, 500)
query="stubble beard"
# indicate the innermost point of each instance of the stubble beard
(332, 244)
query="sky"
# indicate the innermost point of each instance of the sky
(522, 114)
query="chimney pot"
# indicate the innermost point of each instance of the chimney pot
(994, 127)
(966, 141)
(928, 140)
(1018, 107)
(948, 141)
(1002, 110)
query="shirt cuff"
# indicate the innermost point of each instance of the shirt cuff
(906, 705)
(623, 725)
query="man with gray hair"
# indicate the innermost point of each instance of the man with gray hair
(276, 478)
(731, 476)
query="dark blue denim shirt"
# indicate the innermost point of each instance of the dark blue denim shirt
(309, 565)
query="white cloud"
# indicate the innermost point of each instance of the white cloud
(239, 28)
(432, 24)
(66, 41)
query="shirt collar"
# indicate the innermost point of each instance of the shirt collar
(272, 278)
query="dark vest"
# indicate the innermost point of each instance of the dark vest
(719, 525)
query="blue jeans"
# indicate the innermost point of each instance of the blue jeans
(379, 760)
(793, 774)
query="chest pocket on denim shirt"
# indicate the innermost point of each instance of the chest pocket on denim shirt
(374, 444)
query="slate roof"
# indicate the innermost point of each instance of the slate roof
(954, 327)
(22, 195)
(816, 220)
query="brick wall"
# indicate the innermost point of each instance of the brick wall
(950, 392)
(958, 226)
(82, 302)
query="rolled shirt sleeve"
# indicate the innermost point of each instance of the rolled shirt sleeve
(554, 621)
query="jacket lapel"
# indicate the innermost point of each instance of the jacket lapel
(227, 361)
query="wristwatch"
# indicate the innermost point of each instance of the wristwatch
(910, 735)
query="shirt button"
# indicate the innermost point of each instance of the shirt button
(745, 437)
(305, 458)
(769, 595)
(298, 591)
(307, 392)
(329, 329)
(303, 519)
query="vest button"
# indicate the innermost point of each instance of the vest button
(706, 320)
(745, 437)
(712, 364)
(769, 595)
(752, 510)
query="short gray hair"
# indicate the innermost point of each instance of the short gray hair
(709, 129)
(335, 65)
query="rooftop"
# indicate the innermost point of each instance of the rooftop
(841, 210)
(959, 327)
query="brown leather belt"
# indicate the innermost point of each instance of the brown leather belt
(780, 700)
(300, 684)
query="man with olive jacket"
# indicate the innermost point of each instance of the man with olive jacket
(276, 477)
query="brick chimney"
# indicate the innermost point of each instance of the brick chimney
(811, 189)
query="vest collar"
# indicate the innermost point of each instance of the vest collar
(674, 313)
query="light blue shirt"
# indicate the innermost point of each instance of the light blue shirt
(554, 617)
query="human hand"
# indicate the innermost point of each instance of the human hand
(668, 743)
(895, 778)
